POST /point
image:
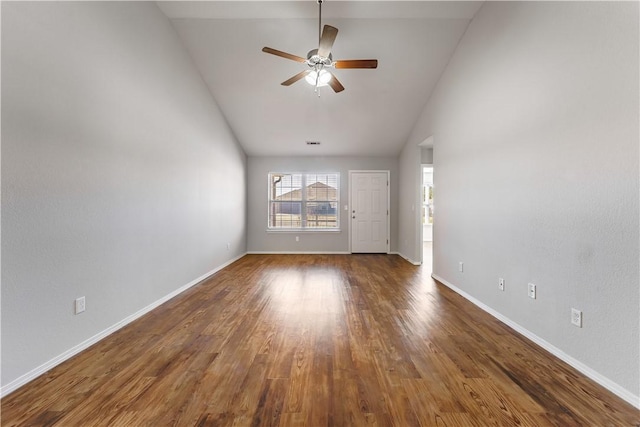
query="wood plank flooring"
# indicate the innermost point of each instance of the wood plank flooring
(316, 340)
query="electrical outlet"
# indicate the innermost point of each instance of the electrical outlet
(531, 290)
(461, 267)
(297, 238)
(576, 317)
(228, 246)
(80, 305)
(501, 284)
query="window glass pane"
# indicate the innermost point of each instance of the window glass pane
(322, 187)
(286, 214)
(322, 215)
(286, 187)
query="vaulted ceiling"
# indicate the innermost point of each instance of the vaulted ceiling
(412, 40)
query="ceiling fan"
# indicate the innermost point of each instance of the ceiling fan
(318, 60)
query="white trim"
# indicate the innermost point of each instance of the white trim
(613, 387)
(34, 373)
(298, 253)
(303, 230)
(406, 258)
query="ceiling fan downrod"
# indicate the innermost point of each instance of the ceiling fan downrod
(319, 21)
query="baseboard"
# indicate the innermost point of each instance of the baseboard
(613, 387)
(33, 374)
(407, 258)
(298, 253)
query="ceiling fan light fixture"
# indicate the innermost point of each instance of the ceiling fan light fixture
(324, 77)
(321, 77)
(318, 59)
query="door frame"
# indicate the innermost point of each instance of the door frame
(388, 172)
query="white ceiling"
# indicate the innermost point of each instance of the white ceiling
(373, 116)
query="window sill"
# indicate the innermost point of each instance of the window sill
(303, 230)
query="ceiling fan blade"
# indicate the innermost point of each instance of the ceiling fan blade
(329, 34)
(283, 54)
(335, 84)
(356, 63)
(295, 78)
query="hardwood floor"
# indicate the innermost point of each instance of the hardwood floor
(315, 340)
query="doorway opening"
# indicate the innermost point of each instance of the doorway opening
(427, 216)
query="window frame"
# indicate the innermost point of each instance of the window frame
(303, 203)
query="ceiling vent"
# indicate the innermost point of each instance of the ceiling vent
(313, 142)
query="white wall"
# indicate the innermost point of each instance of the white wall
(426, 155)
(536, 124)
(121, 180)
(259, 240)
(409, 242)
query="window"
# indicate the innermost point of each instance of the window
(304, 201)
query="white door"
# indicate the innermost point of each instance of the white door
(369, 200)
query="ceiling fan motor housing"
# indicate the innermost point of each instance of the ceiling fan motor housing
(314, 59)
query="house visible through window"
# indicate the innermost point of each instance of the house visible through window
(304, 201)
